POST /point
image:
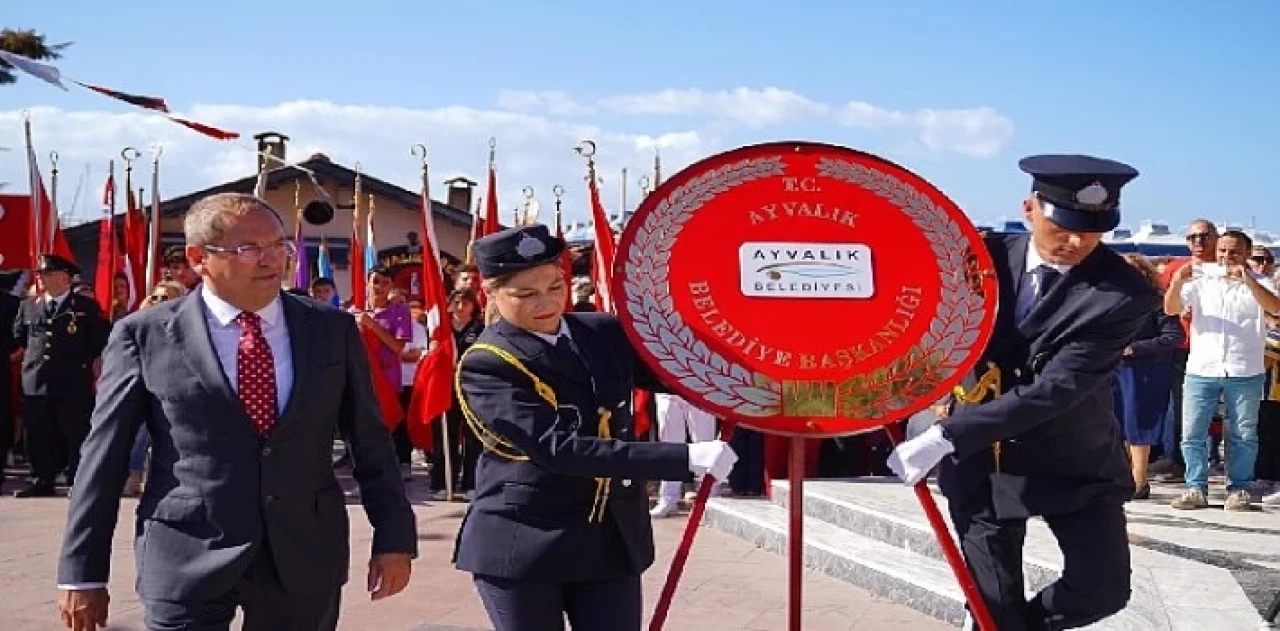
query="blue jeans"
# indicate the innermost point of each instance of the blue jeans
(1242, 396)
(138, 455)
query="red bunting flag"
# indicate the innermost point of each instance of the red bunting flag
(50, 74)
(154, 103)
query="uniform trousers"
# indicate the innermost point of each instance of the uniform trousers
(1095, 580)
(678, 421)
(6, 418)
(518, 605)
(267, 606)
(55, 428)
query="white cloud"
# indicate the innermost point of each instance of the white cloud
(554, 102)
(536, 134)
(750, 107)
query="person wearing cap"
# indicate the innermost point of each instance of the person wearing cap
(63, 333)
(559, 524)
(1042, 440)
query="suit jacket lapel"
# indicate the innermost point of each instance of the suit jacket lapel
(189, 330)
(297, 319)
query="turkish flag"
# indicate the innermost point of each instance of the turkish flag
(433, 383)
(386, 393)
(15, 233)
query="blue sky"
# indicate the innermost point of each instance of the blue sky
(1186, 92)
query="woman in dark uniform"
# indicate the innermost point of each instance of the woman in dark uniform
(559, 525)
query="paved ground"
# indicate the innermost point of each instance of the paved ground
(728, 584)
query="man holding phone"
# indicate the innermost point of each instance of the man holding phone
(1228, 303)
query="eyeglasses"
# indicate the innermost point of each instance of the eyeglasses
(253, 253)
(154, 298)
(1200, 236)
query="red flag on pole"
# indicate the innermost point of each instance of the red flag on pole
(603, 248)
(566, 263)
(491, 223)
(387, 393)
(433, 383)
(104, 279)
(355, 257)
(135, 252)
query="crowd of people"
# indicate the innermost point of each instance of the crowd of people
(1196, 391)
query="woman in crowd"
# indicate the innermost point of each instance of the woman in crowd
(1144, 381)
(119, 297)
(463, 447)
(164, 291)
(559, 525)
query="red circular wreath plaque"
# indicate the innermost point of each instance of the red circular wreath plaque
(805, 289)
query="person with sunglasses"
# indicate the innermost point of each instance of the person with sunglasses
(1202, 242)
(1229, 304)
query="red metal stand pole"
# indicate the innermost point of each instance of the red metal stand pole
(795, 534)
(686, 544)
(977, 606)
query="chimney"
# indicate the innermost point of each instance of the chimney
(271, 143)
(460, 193)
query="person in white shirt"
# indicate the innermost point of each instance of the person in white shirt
(1228, 336)
(678, 420)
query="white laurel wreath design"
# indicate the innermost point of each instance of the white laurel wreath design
(957, 323)
(654, 318)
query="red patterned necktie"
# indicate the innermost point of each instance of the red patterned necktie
(256, 373)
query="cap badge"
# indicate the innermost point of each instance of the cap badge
(1093, 194)
(529, 247)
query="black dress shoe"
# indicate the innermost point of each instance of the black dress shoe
(37, 489)
(1143, 492)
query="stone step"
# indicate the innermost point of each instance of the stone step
(884, 510)
(919, 582)
(872, 533)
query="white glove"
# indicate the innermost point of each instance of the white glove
(713, 457)
(915, 458)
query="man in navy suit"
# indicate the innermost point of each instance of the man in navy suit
(1047, 443)
(240, 386)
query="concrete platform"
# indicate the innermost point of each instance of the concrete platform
(728, 583)
(1200, 570)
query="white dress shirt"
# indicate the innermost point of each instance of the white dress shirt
(420, 341)
(225, 333)
(1228, 331)
(563, 332)
(56, 300)
(1029, 289)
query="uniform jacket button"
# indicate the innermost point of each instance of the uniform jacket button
(626, 483)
